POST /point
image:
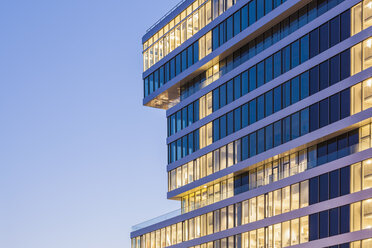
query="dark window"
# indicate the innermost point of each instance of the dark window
(230, 123)
(190, 114)
(345, 103)
(245, 83)
(323, 113)
(322, 7)
(277, 133)
(216, 99)
(252, 12)
(332, 149)
(252, 111)
(345, 64)
(237, 23)
(277, 98)
(304, 85)
(323, 224)
(323, 37)
(215, 38)
(286, 58)
(314, 43)
(295, 54)
(314, 80)
(252, 144)
(334, 184)
(277, 64)
(230, 91)
(314, 117)
(269, 137)
(268, 103)
(223, 128)
(237, 87)
(260, 107)
(196, 111)
(222, 33)
(222, 95)
(323, 75)
(295, 90)
(237, 119)
(333, 221)
(334, 68)
(190, 59)
(322, 153)
(245, 148)
(196, 52)
(334, 108)
(313, 227)
(323, 187)
(313, 190)
(345, 219)
(245, 118)
(334, 36)
(304, 48)
(260, 74)
(229, 28)
(252, 78)
(304, 121)
(345, 180)
(286, 94)
(260, 8)
(295, 125)
(286, 133)
(345, 24)
(268, 69)
(244, 17)
(268, 6)
(261, 140)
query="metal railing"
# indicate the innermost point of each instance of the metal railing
(164, 16)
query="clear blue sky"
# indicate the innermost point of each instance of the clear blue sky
(81, 160)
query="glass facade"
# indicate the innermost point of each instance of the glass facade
(262, 177)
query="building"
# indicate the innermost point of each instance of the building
(269, 123)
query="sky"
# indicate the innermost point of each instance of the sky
(81, 160)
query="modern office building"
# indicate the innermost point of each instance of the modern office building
(268, 106)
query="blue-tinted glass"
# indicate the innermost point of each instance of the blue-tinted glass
(353, 138)
(322, 7)
(237, 87)
(215, 38)
(345, 217)
(268, 103)
(167, 71)
(314, 117)
(345, 64)
(321, 153)
(293, 19)
(189, 56)
(333, 221)
(314, 43)
(314, 80)
(286, 94)
(259, 44)
(302, 19)
(245, 148)
(342, 146)
(229, 28)
(172, 68)
(151, 83)
(304, 121)
(268, 137)
(334, 68)
(268, 69)
(323, 224)
(161, 76)
(216, 99)
(252, 111)
(252, 49)
(173, 151)
(244, 17)
(196, 140)
(156, 79)
(190, 113)
(277, 64)
(173, 124)
(179, 149)
(334, 184)
(252, 144)
(244, 83)
(295, 125)
(196, 52)
(268, 38)
(295, 90)
(286, 58)
(345, 103)
(334, 36)
(252, 12)
(276, 33)
(295, 53)
(222, 95)
(216, 130)
(332, 151)
(196, 111)
(277, 99)
(313, 190)
(332, 3)
(268, 6)
(277, 3)
(260, 8)
(245, 116)
(312, 11)
(284, 28)
(230, 123)
(323, 37)
(223, 128)
(237, 23)
(260, 74)
(286, 132)
(237, 119)
(252, 78)
(261, 140)
(184, 118)
(304, 85)
(146, 86)
(184, 59)
(334, 108)
(184, 146)
(304, 46)
(179, 119)
(230, 91)
(237, 184)
(178, 64)
(345, 24)
(260, 107)
(222, 33)
(277, 133)
(323, 113)
(313, 227)
(323, 75)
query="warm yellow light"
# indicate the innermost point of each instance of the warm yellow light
(369, 82)
(369, 161)
(369, 5)
(369, 43)
(215, 67)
